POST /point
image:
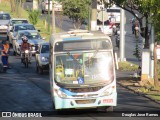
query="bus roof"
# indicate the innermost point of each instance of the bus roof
(77, 35)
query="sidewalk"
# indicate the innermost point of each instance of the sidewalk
(126, 79)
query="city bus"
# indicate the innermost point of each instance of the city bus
(82, 70)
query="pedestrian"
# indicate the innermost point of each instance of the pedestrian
(9, 67)
(4, 54)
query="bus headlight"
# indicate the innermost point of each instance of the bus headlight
(108, 91)
(60, 93)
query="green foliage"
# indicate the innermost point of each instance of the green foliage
(127, 66)
(143, 90)
(33, 16)
(136, 52)
(76, 10)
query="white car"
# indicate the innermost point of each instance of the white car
(12, 22)
(34, 38)
(18, 27)
(42, 57)
(106, 29)
(4, 21)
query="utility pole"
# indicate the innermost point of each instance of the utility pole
(53, 19)
(151, 52)
(35, 4)
(94, 16)
(122, 36)
(49, 15)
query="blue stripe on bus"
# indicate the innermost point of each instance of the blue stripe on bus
(72, 38)
(67, 92)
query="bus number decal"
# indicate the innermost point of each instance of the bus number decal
(107, 100)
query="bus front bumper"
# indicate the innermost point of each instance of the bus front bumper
(61, 103)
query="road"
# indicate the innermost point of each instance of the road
(130, 40)
(22, 89)
(25, 90)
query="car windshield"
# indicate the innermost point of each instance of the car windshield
(18, 22)
(45, 49)
(24, 27)
(29, 35)
(84, 68)
(5, 17)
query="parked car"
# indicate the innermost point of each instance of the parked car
(42, 57)
(44, 6)
(14, 21)
(17, 27)
(4, 21)
(34, 38)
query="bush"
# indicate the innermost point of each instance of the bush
(127, 66)
(33, 16)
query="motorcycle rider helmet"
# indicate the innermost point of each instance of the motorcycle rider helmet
(24, 39)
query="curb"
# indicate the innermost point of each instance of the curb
(140, 94)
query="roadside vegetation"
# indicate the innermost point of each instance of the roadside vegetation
(77, 11)
(127, 66)
(21, 13)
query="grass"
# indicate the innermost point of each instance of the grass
(5, 6)
(155, 97)
(127, 66)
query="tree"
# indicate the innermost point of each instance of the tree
(143, 7)
(76, 10)
(33, 16)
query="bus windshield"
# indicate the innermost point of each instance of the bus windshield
(84, 68)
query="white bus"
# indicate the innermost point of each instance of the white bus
(82, 70)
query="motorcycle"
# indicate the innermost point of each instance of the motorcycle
(25, 58)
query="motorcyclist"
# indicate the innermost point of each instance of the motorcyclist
(4, 54)
(25, 46)
(135, 23)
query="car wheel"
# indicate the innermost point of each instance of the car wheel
(7, 37)
(106, 108)
(36, 67)
(14, 53)
(40, 70)
(42, 11)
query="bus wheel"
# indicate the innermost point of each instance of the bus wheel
(109, 109)
(106, 109)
